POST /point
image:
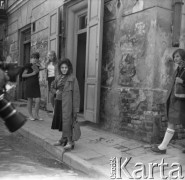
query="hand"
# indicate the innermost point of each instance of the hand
(179, 80)
(3, 79)
(35, 69)
(57, 91)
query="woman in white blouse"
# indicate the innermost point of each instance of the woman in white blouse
(51, 72)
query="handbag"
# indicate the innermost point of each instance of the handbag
(76, 132)
(179, 90)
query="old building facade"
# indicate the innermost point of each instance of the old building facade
(120, 51)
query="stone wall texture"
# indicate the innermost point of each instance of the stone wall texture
(136, 61)
(137, 67)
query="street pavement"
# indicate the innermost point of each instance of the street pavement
(97, 149)
(22, 159)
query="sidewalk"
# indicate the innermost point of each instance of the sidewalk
(95, 148)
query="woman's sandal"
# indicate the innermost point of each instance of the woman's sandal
(61, 142)
(31, 119)
(69, 146)
(58, 143)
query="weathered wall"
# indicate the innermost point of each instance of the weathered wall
(136, 68)
(31, 11)
(136, 65)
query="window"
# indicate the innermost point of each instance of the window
(82, 22)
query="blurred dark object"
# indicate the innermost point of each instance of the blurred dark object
(13, 119)
(12, 70)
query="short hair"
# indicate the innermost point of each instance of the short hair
(68, 63)
(35, 55)
(181, 53)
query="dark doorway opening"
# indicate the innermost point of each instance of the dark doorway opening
(80, 67)
(25, 48)
(26, 53)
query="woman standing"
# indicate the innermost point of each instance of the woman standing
(51, 72)
(175, 106)
(66, 103)
(32, 86)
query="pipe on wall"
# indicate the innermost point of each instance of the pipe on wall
(177, 16)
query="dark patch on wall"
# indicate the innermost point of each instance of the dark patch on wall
(127, 70)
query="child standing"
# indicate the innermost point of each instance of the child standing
(67, 103)
(174, 105)
(32, 87)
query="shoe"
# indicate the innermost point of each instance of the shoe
(31, 119)
(61, 142)
(39, 119)
(58, 143)
(69, 146)
(157, 150)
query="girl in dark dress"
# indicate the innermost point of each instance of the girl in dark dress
(32, 87)
(175, 106)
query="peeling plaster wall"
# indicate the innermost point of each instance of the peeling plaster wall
(136, 67)
(136, 60)
(29, 12)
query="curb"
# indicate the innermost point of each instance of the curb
(67, 158)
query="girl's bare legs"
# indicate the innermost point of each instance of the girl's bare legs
(168, 136)
(37, 106)
(29, 106)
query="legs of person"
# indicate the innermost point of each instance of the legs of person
(37, 106)
(168, 136)
(62, 142)
(67, 132)
(70, 143)
(29, 106)
(166, 140)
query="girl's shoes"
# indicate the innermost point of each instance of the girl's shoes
(39, 119)
(157, 150)
(61, 142)
(31, 119)
(58, 143)
(69, 146)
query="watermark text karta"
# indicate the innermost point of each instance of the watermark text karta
(120, 169)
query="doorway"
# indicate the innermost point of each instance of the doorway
(25, 48)
(80, 67)
(26, 54)
(84, 26)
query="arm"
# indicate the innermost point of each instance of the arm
(181, 79)
(41, 68)
(53, 88)
(3, 79)
(26, 75)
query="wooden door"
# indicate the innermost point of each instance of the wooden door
(53, 37)
(93, 59)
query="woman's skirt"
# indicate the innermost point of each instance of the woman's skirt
(57, 118)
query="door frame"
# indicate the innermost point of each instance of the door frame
(21, 56)
(72, 11)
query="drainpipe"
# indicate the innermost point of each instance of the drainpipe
(177, 16)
